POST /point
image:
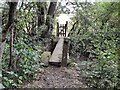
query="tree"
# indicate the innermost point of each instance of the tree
(96, 37)
(41, 6)
(50, 14)
(8, 27)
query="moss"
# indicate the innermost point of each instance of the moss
(45, 57)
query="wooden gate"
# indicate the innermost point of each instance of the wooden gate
(61, 29)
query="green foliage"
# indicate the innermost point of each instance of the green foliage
(26, 49)
(69, 62)
(104, 74)
(26, 63)
(95, 39)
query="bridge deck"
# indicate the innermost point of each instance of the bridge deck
(56, 57)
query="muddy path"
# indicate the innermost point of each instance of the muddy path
(56, 77)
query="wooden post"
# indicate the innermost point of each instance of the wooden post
(66, 26)
(65, 51)
(57, 32)
(63, 30)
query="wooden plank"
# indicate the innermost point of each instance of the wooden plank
(56, 57)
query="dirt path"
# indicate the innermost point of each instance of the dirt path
(56, 77)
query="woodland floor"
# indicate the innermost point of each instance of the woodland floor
(57, 77)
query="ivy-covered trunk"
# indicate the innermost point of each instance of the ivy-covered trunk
(12, 11)
(118, 47)
(1, 52)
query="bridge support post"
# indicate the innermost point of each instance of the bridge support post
(65, 52)
(66, 27)
(57, 32)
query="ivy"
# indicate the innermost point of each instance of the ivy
(97, 45)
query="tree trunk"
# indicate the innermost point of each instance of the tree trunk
(50, 14)
(41, 13)
(1, 52)
(11, 48)
(118, 48)
(12, 11)
(52, 7)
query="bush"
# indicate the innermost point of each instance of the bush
(104, 73)
(26, 62)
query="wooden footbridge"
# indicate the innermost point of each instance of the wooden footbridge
(59, 55)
